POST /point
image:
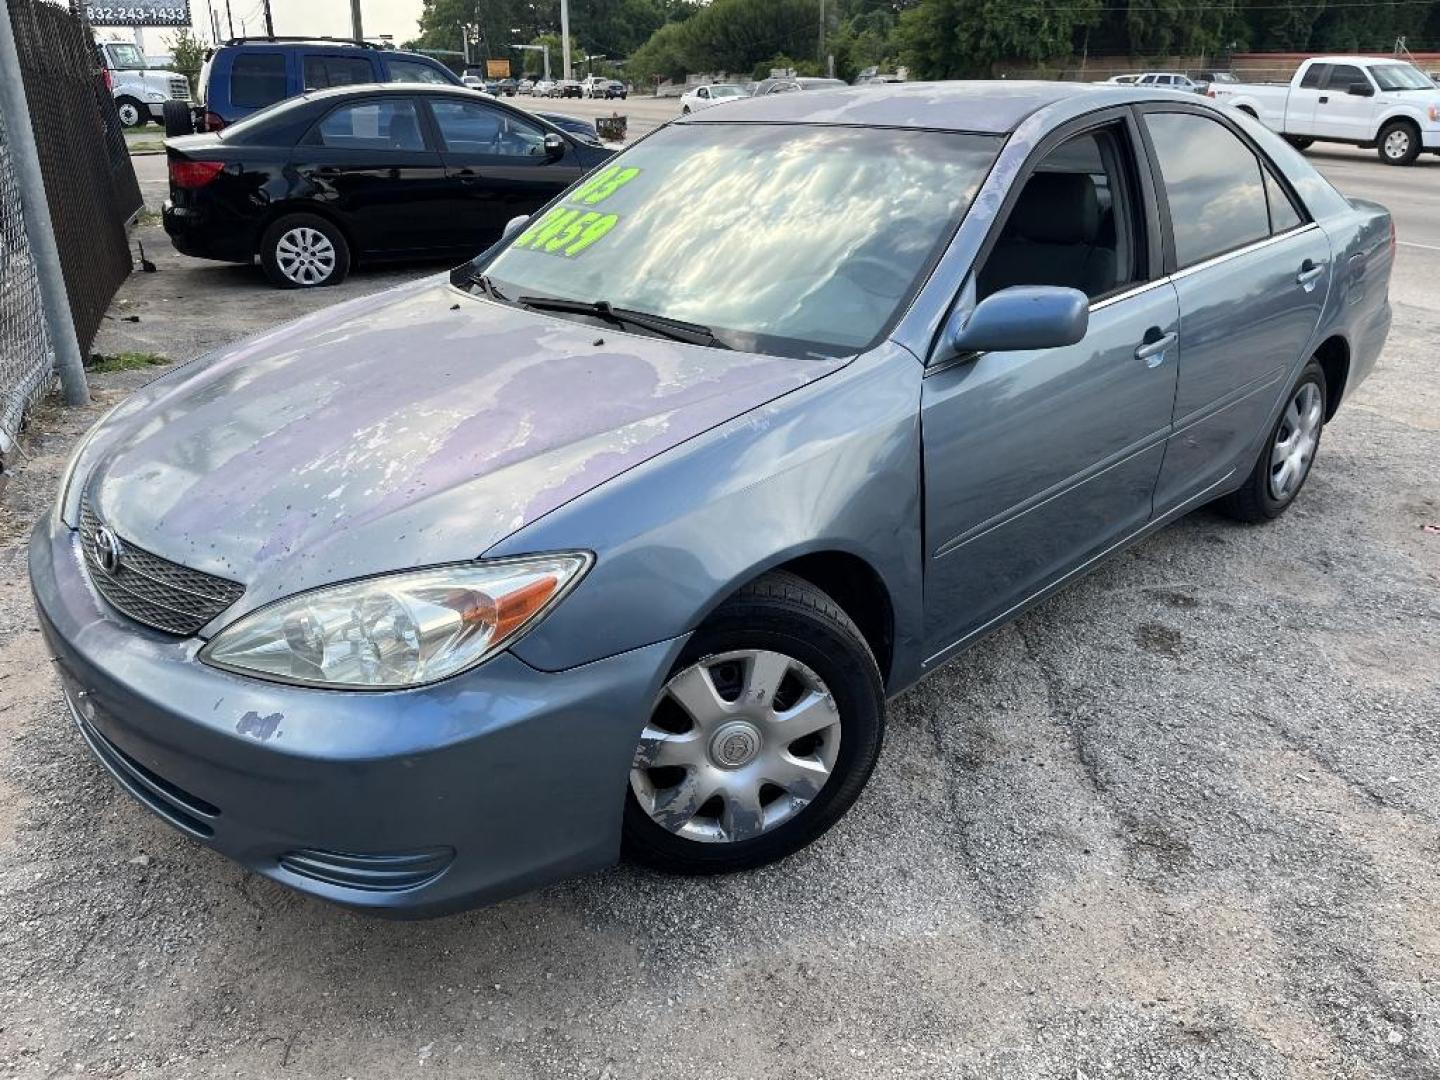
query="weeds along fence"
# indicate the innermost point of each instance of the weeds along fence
(90, 188)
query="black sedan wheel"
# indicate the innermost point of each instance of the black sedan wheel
(764, 735)
(303, 251)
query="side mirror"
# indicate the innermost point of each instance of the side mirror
(554, 147)
(1021, 317)
(1360, 89)
(514, 225)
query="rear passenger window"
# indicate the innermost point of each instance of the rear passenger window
(372, 125)
(323, 71)
(1314, 76)
(1283, 214)
(1213, 184)
(1073, 224)
(257, 80)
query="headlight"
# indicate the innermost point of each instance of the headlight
(400, 630)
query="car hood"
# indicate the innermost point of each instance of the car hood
(416, 427)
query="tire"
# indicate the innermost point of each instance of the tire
(133, 114)
(1398, 143)
(779, 623)
(1299, 142)
(178, 119)
(294, 254)
(685, 110)
(1259, 499)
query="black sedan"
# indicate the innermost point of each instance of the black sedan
(318, 182)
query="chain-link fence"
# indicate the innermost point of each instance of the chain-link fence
(89, 182)
(26, 362)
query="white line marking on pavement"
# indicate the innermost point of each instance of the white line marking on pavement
(1411, 243)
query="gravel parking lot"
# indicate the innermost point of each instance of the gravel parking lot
(1182, 820)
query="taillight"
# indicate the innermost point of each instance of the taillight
(212, 122)
(194, 174)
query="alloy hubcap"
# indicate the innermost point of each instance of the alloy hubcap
(1397, 144)
(737, 745)
(305, 256)
(1295, 442)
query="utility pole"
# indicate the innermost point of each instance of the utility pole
(357, 30)
(565, 36)
(269, 22)
(35, 209)
(821, 56)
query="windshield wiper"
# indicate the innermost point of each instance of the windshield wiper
(674, 329)
(488, 287)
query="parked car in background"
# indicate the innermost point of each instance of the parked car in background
(593, 86)
(508, 87)
(703, 97)
(475, 82)
(615, 89)
(365, 173)
(1208, 77)
(1122, 80)
(569, 88)
(544, 88)
(1169, 80)
(525, 86)
(791, 84)
(140, 91)
(247, 74)
(454, 590)
(1362, 100)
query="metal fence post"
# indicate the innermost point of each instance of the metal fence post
(38, 226)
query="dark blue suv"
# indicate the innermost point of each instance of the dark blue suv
(246, 74)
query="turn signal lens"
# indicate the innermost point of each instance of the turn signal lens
(396, 631)
(187, 175)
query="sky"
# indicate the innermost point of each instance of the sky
(400, 18)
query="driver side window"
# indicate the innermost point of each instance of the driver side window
(1074, 224)
(476, 129)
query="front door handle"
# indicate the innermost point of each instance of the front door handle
(1310, 272)
(1153, 350)
(1323, 99)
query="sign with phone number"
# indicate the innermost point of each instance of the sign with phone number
(140, 13)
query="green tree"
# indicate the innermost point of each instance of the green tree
(948, 39)
(188, 53)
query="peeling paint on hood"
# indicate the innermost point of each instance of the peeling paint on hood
(416, 427)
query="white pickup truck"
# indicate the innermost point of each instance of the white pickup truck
(1363, 100)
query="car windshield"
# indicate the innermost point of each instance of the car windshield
(1400, 77)
(127, 57)
(839, 225)
(726, 91)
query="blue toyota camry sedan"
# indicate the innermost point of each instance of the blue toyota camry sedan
(617, 539)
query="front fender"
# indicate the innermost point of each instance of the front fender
(834, 466)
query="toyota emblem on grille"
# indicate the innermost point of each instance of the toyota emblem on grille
(105, 550)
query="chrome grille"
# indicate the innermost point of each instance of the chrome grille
(152, 590)
(180, 88)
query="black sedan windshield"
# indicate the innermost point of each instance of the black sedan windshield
(791, 239)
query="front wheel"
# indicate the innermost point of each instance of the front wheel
(763, 736)
(132, 113)
(304, 251)
(1284, 464)
(1299, 142)
(1398, 143)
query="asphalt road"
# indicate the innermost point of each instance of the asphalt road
(1181, 821)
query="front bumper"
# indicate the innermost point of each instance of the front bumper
(406, 803)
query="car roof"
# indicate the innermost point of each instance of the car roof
(993, 106)
(385, 89)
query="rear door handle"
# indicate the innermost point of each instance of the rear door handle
(1310, 272)
(1153, 351)
(1324, 99)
